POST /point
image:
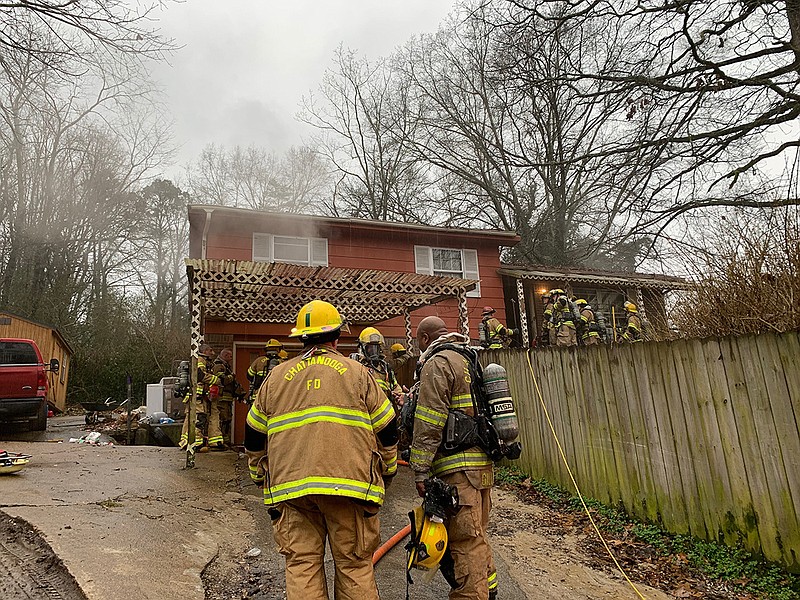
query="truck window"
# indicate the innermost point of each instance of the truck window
(17, 353)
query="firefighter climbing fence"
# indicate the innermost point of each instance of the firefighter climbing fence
(699, 435)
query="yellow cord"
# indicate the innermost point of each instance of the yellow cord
(575, 483)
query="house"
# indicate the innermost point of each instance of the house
(51, 344)
(251, 271)
(605, 291)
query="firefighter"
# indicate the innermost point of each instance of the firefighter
(260, 367)
(633, 329)
(322, 435)
(445, 385)
(219, 422)
(495, 334)
(205, 379)
(370, 347)
(400, 356)
(564, 310)
(554, 320)
(590, 331)
(283, 355)
(547, 325)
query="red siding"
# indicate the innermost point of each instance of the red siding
(354, 245)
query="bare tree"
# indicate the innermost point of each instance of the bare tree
(366, 120)
(716, 80)
(255, 178)
(75, 29)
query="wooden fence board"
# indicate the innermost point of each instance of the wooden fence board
(639, 396)
(620, 488)
(713, 479)
(559, 415)
(623, 372)
(688, 428)
(528, 411)
(582, 467)
(600, 449)
(550, 393)
(748, 439)
(783, 524)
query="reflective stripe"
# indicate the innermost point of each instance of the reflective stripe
(319, 414)
(461, 401)
(421, 455)
(391, 466)
(217, 439)
(434, 417)
(460, 460)
(257, 420)
(492, 580)
(329, 486)
(382, 415)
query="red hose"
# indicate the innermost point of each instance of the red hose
(403, 463)
(390, 543)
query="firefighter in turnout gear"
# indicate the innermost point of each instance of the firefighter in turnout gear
(205, 379)
(633, 329)
(370, 346)
(400, 356)
(564, 310)
(495, 334)
(219, 423)
(590, 331)
(445, 386)
(321, 438)
(554, 316)
(260, 367)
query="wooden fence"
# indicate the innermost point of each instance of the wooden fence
(700, 436)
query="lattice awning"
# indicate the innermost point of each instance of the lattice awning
(262, 292)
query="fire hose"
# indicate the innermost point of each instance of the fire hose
(397, 537)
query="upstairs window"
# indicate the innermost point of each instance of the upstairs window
(448, 262)
(311, 252)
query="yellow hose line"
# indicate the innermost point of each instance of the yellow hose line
(575, 483)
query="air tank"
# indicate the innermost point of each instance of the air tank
(501, 405)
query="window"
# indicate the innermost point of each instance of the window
(17, 353)
(64, 361)
(448, 262)
(312, 252)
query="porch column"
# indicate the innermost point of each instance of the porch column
(407, 323)
(463, 314)
(195, 312)
(523, 313)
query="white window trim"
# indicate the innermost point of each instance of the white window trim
(266, 242)
(423, 264)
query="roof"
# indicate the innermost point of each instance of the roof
(58, 334)
(609, 278)
(264, 292)
(510, 237)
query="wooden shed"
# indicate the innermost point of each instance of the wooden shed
(51, 344)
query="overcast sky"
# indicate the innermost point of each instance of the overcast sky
(245, 64)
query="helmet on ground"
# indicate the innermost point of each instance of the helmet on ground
(398, 348)
(370, 335)
(428, 541)
(273, 344)
(315, 318)
(283, 354)
(580, 302)
(630, 307)
(488, 310)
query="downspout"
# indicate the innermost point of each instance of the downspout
(206, 226)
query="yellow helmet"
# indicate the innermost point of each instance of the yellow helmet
(370, 335)
(283, 354)
(428, 541)
(557, 292)
(630, 307)
(398, 348)
(581, 302)
(272, 343)
(317, 317)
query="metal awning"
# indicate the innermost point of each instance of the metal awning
(637, 280)
(261, 292)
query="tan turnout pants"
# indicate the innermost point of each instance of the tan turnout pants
(353, 532)
(467, 539)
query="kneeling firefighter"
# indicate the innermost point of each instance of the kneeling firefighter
(456, 438)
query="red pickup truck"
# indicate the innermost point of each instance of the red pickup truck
(23, 382)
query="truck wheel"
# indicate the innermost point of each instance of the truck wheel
(40, 424)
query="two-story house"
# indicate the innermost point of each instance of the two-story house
(251, 271)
